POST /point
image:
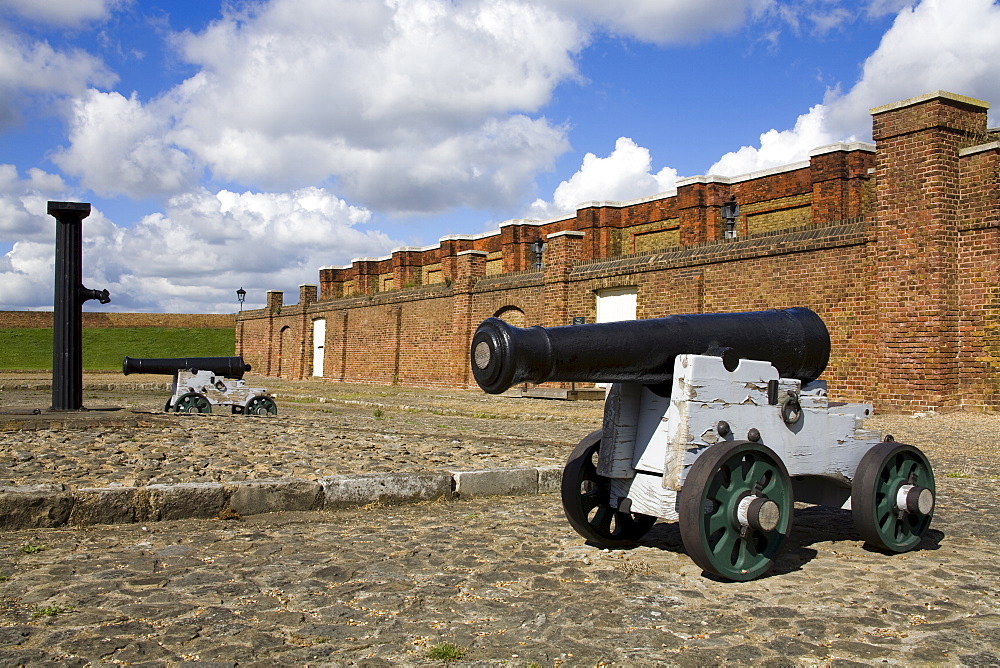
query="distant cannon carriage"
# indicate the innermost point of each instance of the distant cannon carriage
(719, 422)
(199, 383)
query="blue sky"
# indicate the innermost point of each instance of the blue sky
(248, 144)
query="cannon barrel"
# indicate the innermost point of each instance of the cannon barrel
(227, 367)
(794, 340)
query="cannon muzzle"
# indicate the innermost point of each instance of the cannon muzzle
(794, 340)
(227, 367)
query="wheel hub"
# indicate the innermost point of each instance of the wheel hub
(915, 499)
(758, 512)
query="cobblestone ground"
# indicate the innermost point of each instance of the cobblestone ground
(504, 581)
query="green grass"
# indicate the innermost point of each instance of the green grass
(446, 652)
(50, 610)
(104, 348)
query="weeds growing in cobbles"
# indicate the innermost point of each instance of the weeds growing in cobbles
(50, 611)
(446, 652)
(28, 548)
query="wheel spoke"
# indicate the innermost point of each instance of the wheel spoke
(590, 500)
(723, 549)
(718, 519)
(602, 520)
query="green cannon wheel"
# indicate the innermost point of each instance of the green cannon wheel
(586, 499)
(736, 509)
(192, 402)
(261, 406)
(893, 496)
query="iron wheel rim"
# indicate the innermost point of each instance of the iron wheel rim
(192, 402)
(881, 472)
(718, 480)
(586, 498)
(261, 406)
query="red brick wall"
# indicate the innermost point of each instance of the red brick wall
(898, 257)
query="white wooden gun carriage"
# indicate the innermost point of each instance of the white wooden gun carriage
(722, 442)
(199, 383)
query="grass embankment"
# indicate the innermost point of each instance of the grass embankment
(104, 348)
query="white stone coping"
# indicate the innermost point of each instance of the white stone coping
(981, 148)
(565, 233)
(943, 94)
(843, 146)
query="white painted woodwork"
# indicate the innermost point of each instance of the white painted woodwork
(650, 441)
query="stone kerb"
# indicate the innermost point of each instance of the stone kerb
(48, 506)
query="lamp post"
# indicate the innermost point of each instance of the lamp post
(538, 247)
(730, 211)
(241, 294)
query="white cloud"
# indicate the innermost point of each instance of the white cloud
(119, 146)
(30, 69)
(26, 276)
(193, 257)
(778, 148)
(189, 259)
(664, 21)
(935, 45)
(23, 203)
(623, 175)
(410, 105)
(62, 12)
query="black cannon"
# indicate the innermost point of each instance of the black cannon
(794, 340)
(198, 384)
(728, 407)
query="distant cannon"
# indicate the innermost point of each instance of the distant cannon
(200, 383)
(694, 401)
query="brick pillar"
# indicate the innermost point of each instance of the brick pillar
(307, 297)
(917, 245)
(406, 272)
(563, 250)
(365, 276)
(839, 175)
(699, 208)
(273, 308)
(468, 267)
(515, 243)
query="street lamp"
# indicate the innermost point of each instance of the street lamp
(538, 247)
(241, 294)
(730, 211)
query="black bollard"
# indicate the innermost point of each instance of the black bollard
(67, 333)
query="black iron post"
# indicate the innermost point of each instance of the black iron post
(67, 333)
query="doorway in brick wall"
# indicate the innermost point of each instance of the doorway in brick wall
(319, 345)
(613, 305)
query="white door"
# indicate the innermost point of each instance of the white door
(319, 341)
(614, 304)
